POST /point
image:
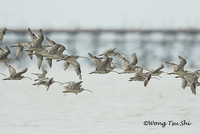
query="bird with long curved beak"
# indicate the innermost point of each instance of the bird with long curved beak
(14, 75)
(74, 87)
(178, 69)
(129, 66)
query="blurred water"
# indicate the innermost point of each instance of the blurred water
(151, 49)
(115, 106)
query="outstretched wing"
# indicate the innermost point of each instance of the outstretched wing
(61, 49)
(40, 39)
(134, 60)
(19, 51)
(159, 68)
(33, 37)
(190, 81)
(146, 81)
(1, 51)
(12, 71)
(5, 54)
(175, 66)
(66, 65)
(184, 83)
(2, 33)
(50, 41)
(21, 72)
(49, 61)
(103, 64)
(76, 66)
(54, 46)
(39, 60)
(181, 65)
(78, 84)
(124, 60)
(97, 61)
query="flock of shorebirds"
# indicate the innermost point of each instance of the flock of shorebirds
(103, 64)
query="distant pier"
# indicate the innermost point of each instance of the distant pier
(119, 31)
(158, 44)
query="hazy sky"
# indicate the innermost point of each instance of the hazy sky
(99, 13)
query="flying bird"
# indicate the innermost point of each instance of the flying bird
(178, 69)
(74, 87)
(14, 75)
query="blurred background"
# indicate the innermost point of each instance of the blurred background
(157, 31)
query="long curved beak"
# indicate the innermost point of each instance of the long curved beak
(87, 90)
(159, 76)
(115, 72)
(11, 30)
(123, 54)
(84, 57)
(3, 74)
(28, 78)
(155, 78)
(59, 82)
